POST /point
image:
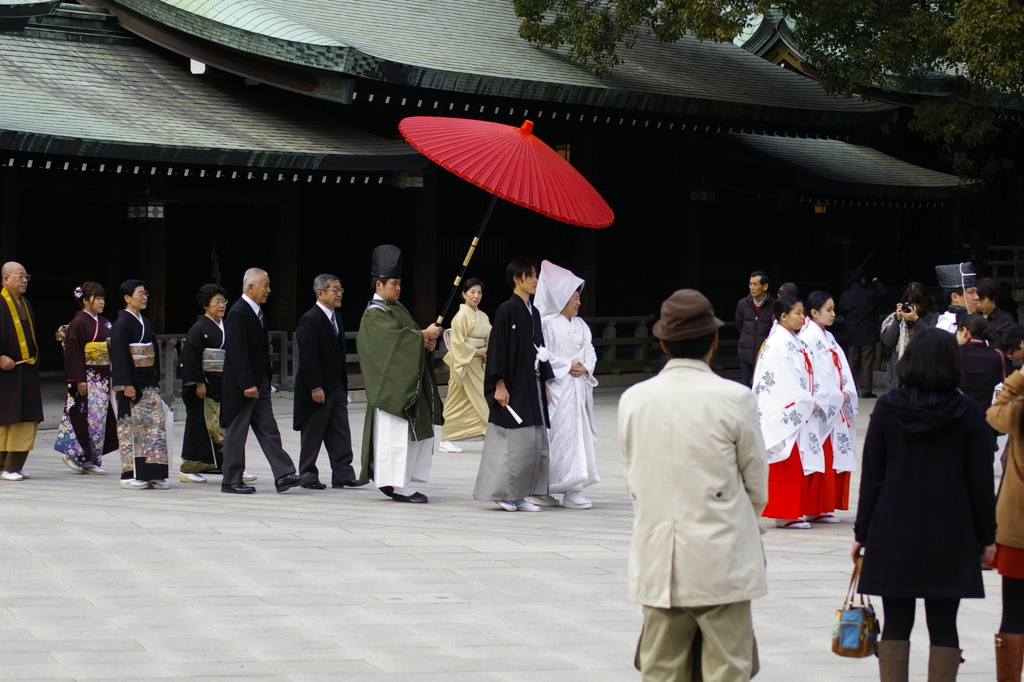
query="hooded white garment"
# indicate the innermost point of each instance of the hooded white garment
(573, 431)
(832, 377)
(783, 388)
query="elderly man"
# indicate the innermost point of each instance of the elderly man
(21, 403)
(753, 321)
(401, 392)
(959, 284)
(697, 472)
(247, 401)
(321, 387)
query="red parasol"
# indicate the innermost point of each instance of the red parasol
(511, 163)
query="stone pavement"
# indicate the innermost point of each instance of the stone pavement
(112, 584)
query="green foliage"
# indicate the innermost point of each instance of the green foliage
(595, 30)
(988, 37)
(970, 53)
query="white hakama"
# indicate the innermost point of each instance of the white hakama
(397, 460)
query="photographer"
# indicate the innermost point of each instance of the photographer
(912, 314)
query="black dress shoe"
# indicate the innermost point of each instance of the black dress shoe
(292, 480)
(415, 498)
(387, 490)
(868, 395)
(349, 484)
(315, 485)
(237, 488)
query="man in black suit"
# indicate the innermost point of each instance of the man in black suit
(321, 387)
(246, 401)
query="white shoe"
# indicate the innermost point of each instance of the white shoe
(90, 468)
(72, 464)
(11, 476)
(543, 500)
(247, 477)
(506, 505)
(523, 505)
(823, 518)
(24, 474)
(159, 484)
(133, 484)
(795, 524)
(574, 500)
(191, 478)
(448, 446)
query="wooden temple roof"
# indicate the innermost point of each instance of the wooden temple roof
(473, 47)
(842, 169)
(98, 92)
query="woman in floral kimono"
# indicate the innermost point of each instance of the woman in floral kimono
(830, 490)
(573, 435)
(135, 371)
(202, 367)
(465, 409)
(87, 429)
(784, 390)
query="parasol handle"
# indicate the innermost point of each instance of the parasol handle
(465, 261)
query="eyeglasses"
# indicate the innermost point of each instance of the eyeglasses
(24, 277)
(335, 290)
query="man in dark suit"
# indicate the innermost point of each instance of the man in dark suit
(246, 400)
(321, 387)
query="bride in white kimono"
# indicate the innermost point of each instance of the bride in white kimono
(573, 434)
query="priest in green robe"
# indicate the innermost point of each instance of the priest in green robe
(401, 391)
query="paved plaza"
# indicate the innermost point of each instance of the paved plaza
(104, 583)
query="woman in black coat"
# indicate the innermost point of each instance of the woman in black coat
(926, 510)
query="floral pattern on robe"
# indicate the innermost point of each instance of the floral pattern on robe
(784, 382)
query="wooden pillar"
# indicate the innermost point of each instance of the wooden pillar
(150, 236)
(283, 265)
(419, 280)
(586, 157)
(8, 213)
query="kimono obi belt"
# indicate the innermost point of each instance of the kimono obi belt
(143, 354)
(97, 354)
(476, 341)
(213, 360)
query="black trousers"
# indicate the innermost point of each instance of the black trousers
(862, 366)
(258, 413)
(328, 425)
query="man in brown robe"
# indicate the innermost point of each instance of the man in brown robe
(21, 404)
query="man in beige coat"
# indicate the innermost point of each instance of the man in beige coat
(697, 472)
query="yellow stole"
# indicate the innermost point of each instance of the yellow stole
(19, 329)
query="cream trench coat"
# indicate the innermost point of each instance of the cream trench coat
(697, 471)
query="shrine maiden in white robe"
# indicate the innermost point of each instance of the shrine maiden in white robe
(784, 389)
(836, 394)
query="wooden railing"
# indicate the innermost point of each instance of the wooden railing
(624, 345)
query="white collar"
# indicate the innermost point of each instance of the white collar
(327, 311)
(252, 304)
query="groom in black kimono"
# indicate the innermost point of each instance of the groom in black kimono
(514, 464)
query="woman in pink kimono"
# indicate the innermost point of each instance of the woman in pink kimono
(87, 429)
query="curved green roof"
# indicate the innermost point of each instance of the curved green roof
(120, 101)
(472, 46)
